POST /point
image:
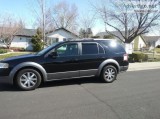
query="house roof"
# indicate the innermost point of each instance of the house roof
(26, 32)
(64, 30)
(117, 33)
(151, 38)
(102, 34)
(6, 30)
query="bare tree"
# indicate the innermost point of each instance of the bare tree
(51, 17)
(130, 18)
(65, 16)
(86, 23)
(87, 20)
(41, 12)
(8, 28)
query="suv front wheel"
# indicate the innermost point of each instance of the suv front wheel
(109, 74)
(28, 79)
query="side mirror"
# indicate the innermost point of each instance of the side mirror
(53, 54)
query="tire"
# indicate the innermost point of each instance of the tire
(28, 79)
(109, 74)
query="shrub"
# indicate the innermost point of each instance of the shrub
(158, 46)
(145, 58)
(17, 49)
(108, 37)
(138, 57)
(95, 37)
(3, 51)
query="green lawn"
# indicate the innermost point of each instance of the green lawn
(13, 54)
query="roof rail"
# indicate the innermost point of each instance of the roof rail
(70, 39)
(87, 39)
(79, 39)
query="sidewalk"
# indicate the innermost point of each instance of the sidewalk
(144, 66)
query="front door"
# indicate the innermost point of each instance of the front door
(65, 64)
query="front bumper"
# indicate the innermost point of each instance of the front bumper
(123, 68)
(5, 79)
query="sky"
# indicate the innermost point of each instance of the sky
(23, 9)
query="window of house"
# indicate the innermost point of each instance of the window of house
(64, 39)
(57, 39)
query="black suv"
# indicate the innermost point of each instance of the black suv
(66, 60)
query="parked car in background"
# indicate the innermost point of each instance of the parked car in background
(66, 60)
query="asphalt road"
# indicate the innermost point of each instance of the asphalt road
(135, 95)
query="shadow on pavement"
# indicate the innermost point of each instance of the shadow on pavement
(70, 82)
(9, 88)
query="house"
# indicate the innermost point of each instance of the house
(59, 35)
(152, 41)
(2, 44)
(137, 44)
(22, 39)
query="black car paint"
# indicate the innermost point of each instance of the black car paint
(63, 64)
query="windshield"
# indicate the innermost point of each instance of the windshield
(47, 49)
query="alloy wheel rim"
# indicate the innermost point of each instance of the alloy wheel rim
(28, 80)
(109, 74)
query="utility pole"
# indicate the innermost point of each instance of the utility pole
(43, 20)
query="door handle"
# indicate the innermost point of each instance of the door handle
(74, 60)
(103, 57)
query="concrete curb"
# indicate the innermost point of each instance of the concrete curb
(5, 53)
(140, 69)
(11, 53)
(144, 66)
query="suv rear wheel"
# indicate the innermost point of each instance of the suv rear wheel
(109, 74)
(28, 79)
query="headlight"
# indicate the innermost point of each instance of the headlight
(4, 65)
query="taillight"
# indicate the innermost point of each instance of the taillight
(125, 57)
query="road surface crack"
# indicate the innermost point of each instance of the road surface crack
(105, 103)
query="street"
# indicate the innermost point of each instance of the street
(134, 95)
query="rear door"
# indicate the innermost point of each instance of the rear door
(92, 55)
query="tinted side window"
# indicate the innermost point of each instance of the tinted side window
(89, 48)
(118, 49)
(68, 50)
(114, 46)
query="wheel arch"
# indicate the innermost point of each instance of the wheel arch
(25, 65)
(108, 62)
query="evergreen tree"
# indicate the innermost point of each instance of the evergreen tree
(108, 37)
(37, 41)
(85, 33)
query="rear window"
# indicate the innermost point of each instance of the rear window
(114, 46)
